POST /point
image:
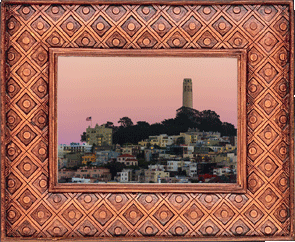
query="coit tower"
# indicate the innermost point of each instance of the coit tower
(187, 95)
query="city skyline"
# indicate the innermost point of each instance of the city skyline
(106, 95)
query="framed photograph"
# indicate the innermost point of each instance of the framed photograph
(155, 161)
(158, 120)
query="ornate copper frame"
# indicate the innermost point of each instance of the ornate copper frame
(265, 29)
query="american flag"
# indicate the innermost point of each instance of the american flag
(88, 119)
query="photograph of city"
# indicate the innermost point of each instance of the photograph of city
(147, 120)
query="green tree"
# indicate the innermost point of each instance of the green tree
(143, 124)
(125, 122)
(83, 137)
(210, 121)
(228, 129)
(187, 118)
(109, 125)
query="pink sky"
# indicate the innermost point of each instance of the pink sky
(141, 88)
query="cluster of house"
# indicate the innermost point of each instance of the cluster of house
(179, 171)
(189, 156)
(85, 175)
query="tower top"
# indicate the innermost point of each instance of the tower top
(187, 80)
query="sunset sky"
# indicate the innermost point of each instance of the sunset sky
(141, 88)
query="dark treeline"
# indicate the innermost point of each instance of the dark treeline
(186, 118)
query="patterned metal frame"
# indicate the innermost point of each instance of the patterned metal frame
(264, 28)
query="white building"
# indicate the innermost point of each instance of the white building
(74, 147)
(125, 175)
(80, 180)
(221, 171)
(173, 165)
(190, 168)
(83, 147)
(156, 167)
(161, 140)
(128, 160)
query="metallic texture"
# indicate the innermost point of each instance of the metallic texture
(264, 211)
